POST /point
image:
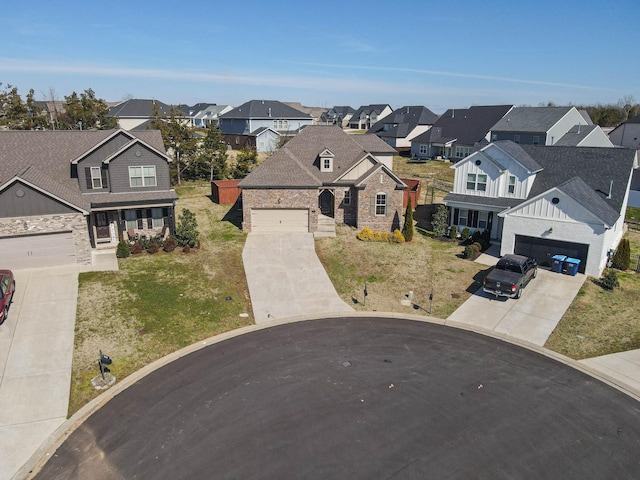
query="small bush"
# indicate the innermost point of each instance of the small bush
(397, 236)
(622, 257)
(483, 244)
(610, 280)
(366, 234)
(136, 248)
(381, 236)
(486, 236)
(123, 250)
(153, 248)
(476, 246)
(465, 234)
(170, 244)
(468, 252)
(453, 232)
(186, 249)
(476, 235)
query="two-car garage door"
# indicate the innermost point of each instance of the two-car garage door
(542, 249)
(280, 220)
(32, 251)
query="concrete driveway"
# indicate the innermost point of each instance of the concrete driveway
(286, 278)
(532, 317)
(36, 353)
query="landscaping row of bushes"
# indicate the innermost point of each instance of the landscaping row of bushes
(151, 245)
(368, 235)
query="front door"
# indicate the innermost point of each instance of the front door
(102, 226)
(326, 203)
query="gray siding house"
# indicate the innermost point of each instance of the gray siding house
(64, 193)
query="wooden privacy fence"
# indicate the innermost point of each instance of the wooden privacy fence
(634, 264)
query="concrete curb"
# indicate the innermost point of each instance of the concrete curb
(48, 448)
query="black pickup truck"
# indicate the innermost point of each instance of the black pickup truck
(510, 275)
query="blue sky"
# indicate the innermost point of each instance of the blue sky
(445, 54)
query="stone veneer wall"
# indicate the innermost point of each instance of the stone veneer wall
(279, 198)
(380, 183)
(75, 222)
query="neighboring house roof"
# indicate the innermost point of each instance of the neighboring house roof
(138, 108)
(466, 126)
(586, 117)
(531, 119)
(401, 122)
(369, 109)
(575, 135)
(371, 143)
(295, 164)
(261, 109)
(43, 158)
(190, 111)
(635, 119)
(315, 112)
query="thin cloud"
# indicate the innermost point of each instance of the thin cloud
(454, 74)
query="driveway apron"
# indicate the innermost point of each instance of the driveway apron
(286, 278)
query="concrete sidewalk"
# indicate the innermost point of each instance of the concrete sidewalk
(286, 278)
(36, 353)
(622, 368)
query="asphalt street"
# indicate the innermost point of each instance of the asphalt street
(369, 398)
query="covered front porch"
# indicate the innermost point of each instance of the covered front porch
(108, 226)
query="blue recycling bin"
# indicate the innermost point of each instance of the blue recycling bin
(571, 266)
(558, 262)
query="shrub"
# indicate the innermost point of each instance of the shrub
(136, 248)
(465, 234)
(610, 280)
(186, 249)
(622, 257)
(407, 229)
(468, 252)
(153, 248)
(381, 236)
(476, 246)
(486, 236)
(169, 244)
(123, 250)
(476, 235)
(187, 229)
(366, 234)
(397, 236)
(483, 244)
(453, 232)
(440, 221)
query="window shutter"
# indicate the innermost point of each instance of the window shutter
(165, 216)
(387, 205)
(474, 221)
(87, 172)
(105, 177)
(149, 219)
(489, 221)
(139, 218)
(373, 204)
(456, 215)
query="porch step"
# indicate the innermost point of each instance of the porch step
(326, 227)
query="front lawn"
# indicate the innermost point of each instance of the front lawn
(156, 304)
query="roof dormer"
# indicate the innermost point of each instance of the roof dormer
(326, 161)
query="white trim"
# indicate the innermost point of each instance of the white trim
(131, 144)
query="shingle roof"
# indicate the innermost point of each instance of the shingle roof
(467, 125)
(138, 108)
(635, 119)
(577, 189)
(126, 198)
(265, 109)
(368, 109)
(575, 135)
(43, 158)
(531, 119)
(403, 121)
(295, 164)
(502, 202)
(516, 151)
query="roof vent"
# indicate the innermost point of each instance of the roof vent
(269, 111)
(610, 190)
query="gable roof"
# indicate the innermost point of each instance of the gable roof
(531, 119)
(369, 109)
(137, 108)
(517, 152)
(260, 109)
(575, 135)
(401, 122)
(467, 126)
(295, 164)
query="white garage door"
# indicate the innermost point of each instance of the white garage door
(31, 251)
(278, 220)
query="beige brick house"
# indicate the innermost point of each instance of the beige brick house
(321, 177)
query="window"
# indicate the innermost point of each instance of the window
(131, 219)
(462, 217)
(381, 203)
(142, 176)
(516, 138)
(476, 182)
(424, 149)
(494, 137)
(156, 216)
(462, 151)
(536, 139)
(96, 177)
(347, 197)
(281, 124)
(512, 184)
(482, 220)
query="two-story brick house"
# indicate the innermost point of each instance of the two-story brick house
(63, 193)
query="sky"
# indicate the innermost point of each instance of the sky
(440, 54)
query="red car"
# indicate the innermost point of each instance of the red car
(7, 288)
